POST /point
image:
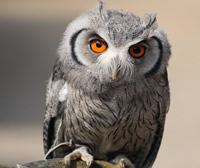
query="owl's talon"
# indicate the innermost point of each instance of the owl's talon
(67, 165)
(67, 161)
(123, 162)
(90, 163)
(80, 153)
(72, 156)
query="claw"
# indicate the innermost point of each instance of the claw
(80, 153)
(67, 161)
(90, 163)
(67, 164)
(70, 157)
(87, 158)
(121, 163)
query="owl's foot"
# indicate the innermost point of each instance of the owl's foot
(80, 153)
(123, 162)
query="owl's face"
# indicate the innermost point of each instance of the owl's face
(113, 45)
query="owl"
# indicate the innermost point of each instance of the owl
(109, 91)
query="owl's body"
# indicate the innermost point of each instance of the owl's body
(111, 101)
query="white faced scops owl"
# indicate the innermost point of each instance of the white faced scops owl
(109, 91)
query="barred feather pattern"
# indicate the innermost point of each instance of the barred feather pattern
(125, 119)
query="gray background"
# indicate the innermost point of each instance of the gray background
(30, 32)
(28, 50)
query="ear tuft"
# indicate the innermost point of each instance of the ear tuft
(101, 8)
(100, 5)
(149, 19)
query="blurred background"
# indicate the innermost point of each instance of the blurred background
(30, 32)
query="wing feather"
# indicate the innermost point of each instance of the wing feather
(163, 107)
(53, 112)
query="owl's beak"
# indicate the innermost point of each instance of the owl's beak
(114, 73)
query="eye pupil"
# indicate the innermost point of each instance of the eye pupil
(136, 50)
(98, 44)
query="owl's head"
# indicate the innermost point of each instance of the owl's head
(113, 46)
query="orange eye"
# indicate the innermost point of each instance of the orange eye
(98, 46)
(137, 51)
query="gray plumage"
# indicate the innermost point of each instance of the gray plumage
(111, 117)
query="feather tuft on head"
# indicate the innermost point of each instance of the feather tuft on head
(100, 7)
(149, 19)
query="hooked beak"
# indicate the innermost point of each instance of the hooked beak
(114, 73)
